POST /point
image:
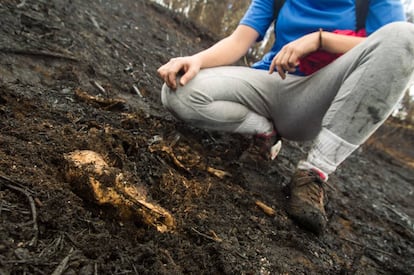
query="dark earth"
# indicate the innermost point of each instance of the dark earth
(81, 75)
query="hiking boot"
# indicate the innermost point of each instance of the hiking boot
(268, 145)
(307, 195)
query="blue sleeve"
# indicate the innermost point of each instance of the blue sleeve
(259, 16)
(382, 12)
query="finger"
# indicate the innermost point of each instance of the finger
(285, 62)
(285, 67)
(281, 72)
(171, 80)
(292, 70)
(173, 71)
(272, 67)
(293, 62)
(280, 66)
(161, 72)
(187, 77)
(276, 62)
(164, 74)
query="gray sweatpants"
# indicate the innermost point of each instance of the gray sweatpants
(350, 97)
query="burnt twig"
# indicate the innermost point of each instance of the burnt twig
(99, 87)
(137, 91)
(21, 4)
(9, 183)
(63, 264)
(214, 238)
(122, 43)
(38, 53)
(368, 247)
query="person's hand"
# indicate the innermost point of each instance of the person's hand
(187, 67)
(288, 57)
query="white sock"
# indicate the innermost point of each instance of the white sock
(255, 124)
(328, 152)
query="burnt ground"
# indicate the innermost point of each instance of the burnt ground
(52, 52)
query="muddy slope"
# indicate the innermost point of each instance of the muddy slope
(80, 75)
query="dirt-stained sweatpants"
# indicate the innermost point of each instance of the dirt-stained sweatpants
(350, 97)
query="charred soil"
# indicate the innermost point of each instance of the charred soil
(81, 75)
